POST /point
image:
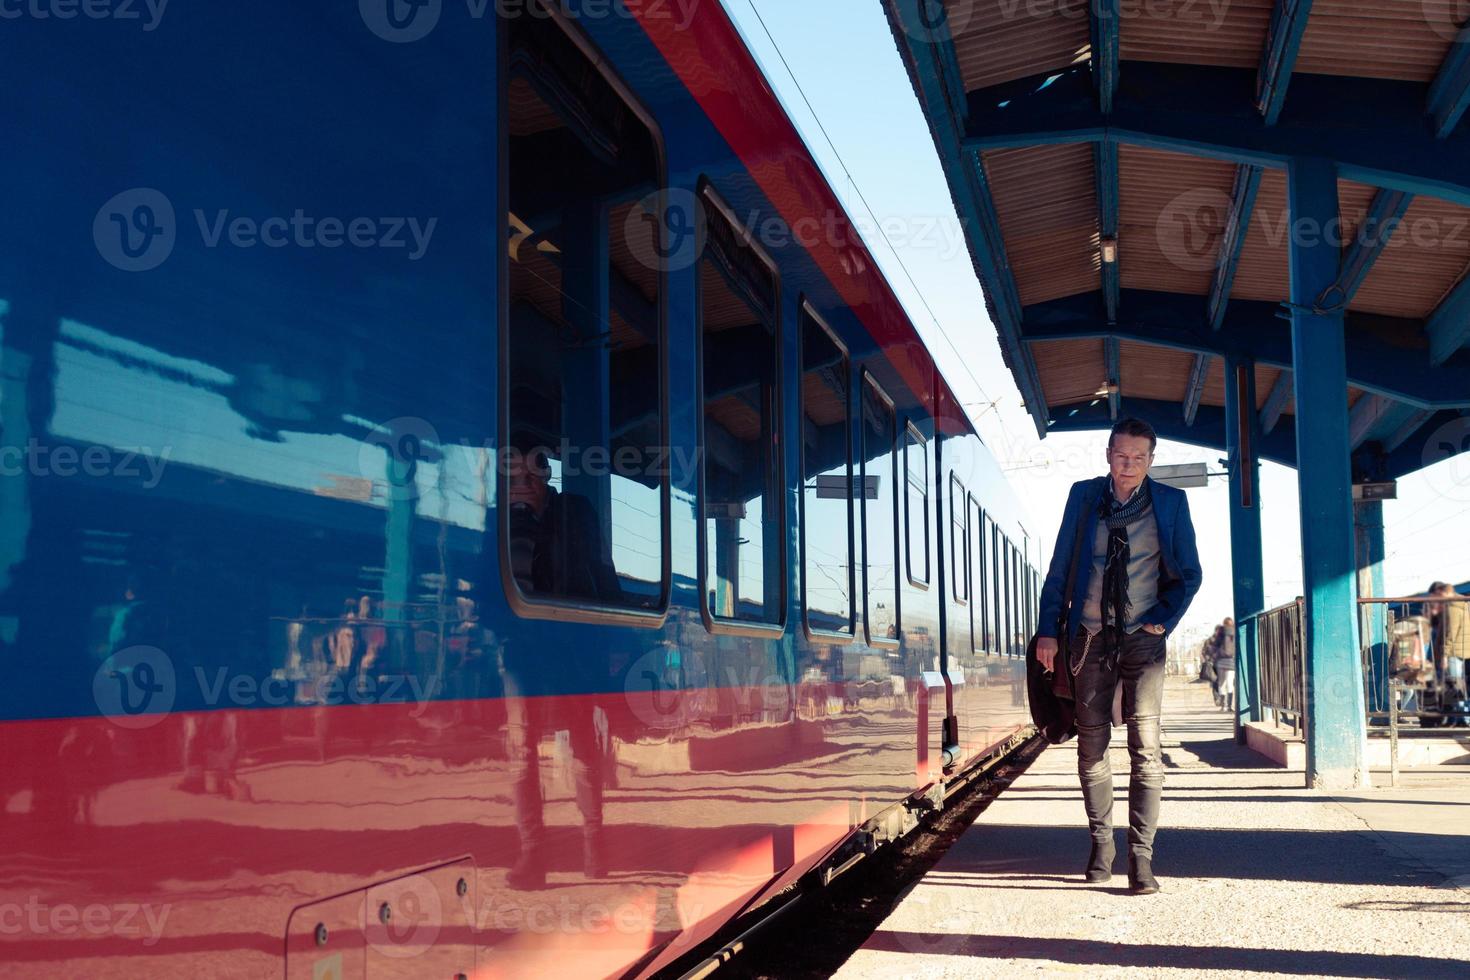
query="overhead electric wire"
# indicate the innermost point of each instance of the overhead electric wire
(871, 213)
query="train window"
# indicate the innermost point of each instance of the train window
(880, 514)
(827, 485)
(959, 540)
(740, 498)
(582, 470)
(916, 514)
(980, 608)
(1008, 594)
(997, 589)
(1016, 626)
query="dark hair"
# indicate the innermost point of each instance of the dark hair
(1135, 427)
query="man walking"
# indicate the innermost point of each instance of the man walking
(1138, 570)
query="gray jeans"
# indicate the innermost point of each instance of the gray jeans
(1140, 669)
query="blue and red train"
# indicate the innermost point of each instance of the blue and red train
(471, 504)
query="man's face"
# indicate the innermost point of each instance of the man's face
(528, 481)
(1129, 458)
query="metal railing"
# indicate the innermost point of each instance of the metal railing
(1280, 650)
(1407, 672)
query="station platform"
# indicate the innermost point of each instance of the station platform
(1259, 876)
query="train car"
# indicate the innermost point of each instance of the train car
(471, 504)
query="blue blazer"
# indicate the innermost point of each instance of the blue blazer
(1179, 574)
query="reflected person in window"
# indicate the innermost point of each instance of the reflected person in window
(555, 549)
(556, 546)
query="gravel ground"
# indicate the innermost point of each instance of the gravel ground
(1260, 877)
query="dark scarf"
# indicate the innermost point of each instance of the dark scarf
(1115, 602)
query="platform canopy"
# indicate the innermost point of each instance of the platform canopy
(1120, 168)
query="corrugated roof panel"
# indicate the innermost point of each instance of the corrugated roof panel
(1071, 370)
(1378, 39)
(1171, 210)
(1262, 273)
(1423, 260)
(1232, 34)
(1000, 42)
(1046, 201)
(1147, 371)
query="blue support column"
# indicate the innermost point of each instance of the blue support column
(1242, 434)
(1336, 728)
(1369, 534)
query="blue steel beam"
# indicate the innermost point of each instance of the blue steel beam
(1336, 732)
(1385, 355)
(1382, 220)
(1106, 169)
(1208, 430)
(1450, 93)
(934, 72)
(1276, 402)
(1449, 324)
(1374, 129)
(1278, 60)
(1363, 416)
(1407, 428)
(1113, 360)
(1196, 386)
(1237, 223)
(1105, 25)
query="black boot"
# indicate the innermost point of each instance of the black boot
(1100, 863)
(1141, 879)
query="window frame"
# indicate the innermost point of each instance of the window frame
(979, 609)
(959, 558)
(713, 201)
(553, 609)
(913, 438)
(866, 381)
(806, 309)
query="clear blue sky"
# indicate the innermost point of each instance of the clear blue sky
(861, 93)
